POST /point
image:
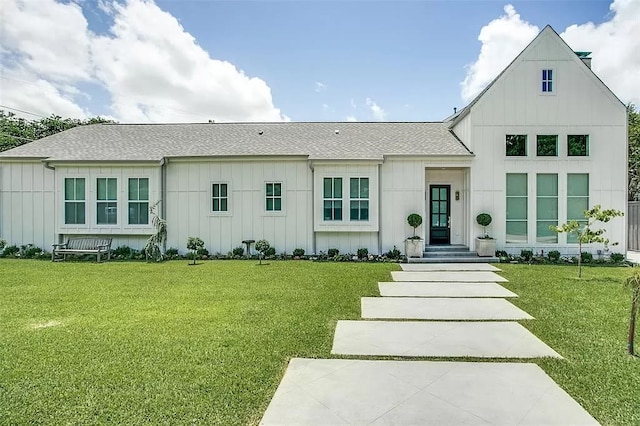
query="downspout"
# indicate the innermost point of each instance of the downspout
(380, 209)
(163, 196)
(58, 237)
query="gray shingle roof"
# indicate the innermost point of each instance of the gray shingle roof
(152, 142)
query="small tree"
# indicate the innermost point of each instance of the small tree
(633, 284)
(153, 247)
(263, 247)
(195, 244)
(414, 220)
(484, 220)
(584, 231)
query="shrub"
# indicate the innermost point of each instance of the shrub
(617, 257)
(31, 252)
(122, 252)
(237, 251)
(363, 253)
(263, 246)
(172, 253)
(3, 244)
(298, 252)
(333, 252)
(393, 253)
(203, 252)
(271, 251)
(586, 257)
(484, 220)
(554, 256)
(194, 244)
(11, 251)
(526, 255)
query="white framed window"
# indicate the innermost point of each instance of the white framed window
(273, 196)
(547, 81)
(577, 200)
(578, 145)
(546, 207)
(219, 197)
(359, 198)
(138, 201)
(74, 201)
(516, 145)
(547, 145)
(332, 198)
(517, 208)
(107, 201)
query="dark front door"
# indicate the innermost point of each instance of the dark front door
(440, 205)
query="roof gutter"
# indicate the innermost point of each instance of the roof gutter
(48, 165)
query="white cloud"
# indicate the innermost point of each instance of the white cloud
(320, 87)
(152, 69)
(615, 45)
(616, 48)
(351, 118)
(377, 112)
(502, 39)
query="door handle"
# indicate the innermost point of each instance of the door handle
(449, 222)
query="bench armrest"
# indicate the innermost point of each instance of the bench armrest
(104, 246)
(59, 245)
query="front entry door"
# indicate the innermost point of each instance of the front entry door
(440, 217)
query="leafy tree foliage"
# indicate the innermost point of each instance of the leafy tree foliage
(16, 131)
(634, 153)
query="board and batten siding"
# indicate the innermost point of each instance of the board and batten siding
(27, 200)
(189, 203)
(579, 105)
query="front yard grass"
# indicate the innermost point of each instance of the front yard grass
(173, 344)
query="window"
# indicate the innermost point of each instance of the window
(332, 198)
(107, 211)
(577, 200)
(546, 208)
(359, 198)
(74, 201)
(547, 81)
(547, 145)
(274, 197)
(578, 145)
(517, 208)
(516, 145)
(219, 197)
(138, 201)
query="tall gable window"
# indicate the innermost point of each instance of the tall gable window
(273, 197)
(517, 208)
(138, 201)
(546, 207)
(107, 201)
(219, 197)
(577, 200)
(547, 146)
(578, 145)
(516, 145)
(547, 81)
(359, 198)
(74, 201)
(332, 198)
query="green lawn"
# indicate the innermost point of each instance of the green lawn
(170, 343)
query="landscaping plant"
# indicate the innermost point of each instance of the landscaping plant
(195, 244)
(153, 247)
(633, 284)
(484, 220)
(414, 220)
(263, 247)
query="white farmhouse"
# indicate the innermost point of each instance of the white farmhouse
(544, 141)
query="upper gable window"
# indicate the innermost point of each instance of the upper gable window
(578, 145)
(516, 145)
(547, 146)
(547, 81)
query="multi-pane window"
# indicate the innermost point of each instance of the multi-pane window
(107, 201)
(547, 81)
(332, 198)
(547, 145)
(359, 198)
(577, 200)
(138, 201)
(74, 201)
(274, 197)
(546, 207)
(516, 145)
(219, 197)
(578, 145)
(517, 208)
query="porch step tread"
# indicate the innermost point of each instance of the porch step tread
(446, 248)
(455, 259)
(466, 253)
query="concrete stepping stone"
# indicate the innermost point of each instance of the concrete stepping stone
(448, 267)
(440, 309)
(343, 392)
(438, 339)
(427, 289)
(446, 276)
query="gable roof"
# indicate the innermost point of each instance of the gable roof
(330, 141)
(547, 30)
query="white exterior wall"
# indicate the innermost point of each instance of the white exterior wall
(189, 204)
(27, 198)
(579, 105)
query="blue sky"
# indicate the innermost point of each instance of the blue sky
(305, 60)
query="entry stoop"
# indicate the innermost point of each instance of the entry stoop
(453, 253)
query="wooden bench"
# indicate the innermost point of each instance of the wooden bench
(82, 245)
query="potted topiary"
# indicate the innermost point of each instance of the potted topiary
(414, 246)
(485, 245)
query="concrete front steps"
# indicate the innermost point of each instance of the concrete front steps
(453, 253)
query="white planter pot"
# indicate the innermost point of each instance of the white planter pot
(485, 247)
(413, 248)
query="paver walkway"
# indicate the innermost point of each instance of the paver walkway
(471, 323)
